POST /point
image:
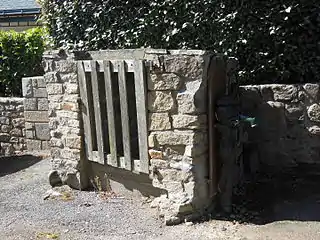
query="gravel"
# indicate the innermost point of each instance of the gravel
(85, 216)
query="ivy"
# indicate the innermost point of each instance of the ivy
(275, 41)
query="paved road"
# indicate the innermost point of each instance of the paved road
(85, 216)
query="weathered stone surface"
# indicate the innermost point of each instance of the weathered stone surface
(160, 101)
(71, 88)
(29, 125)
(6, 128)
(189, 122)
(188, 104)
(284, 92)
(16, 132)
(187, 66)
(294, 112)
(36, 116)
(67, 114)
(165, 81)
(18, 122)
(33, 145)
(159, 121)
(73, 142)
(54, 88)
(55, 142)
(40, 93)
(43, 104)
(40, 82)
(27, 87)
(314, 130)
(65, 66)
(30, 134)
(154, 154)
(70, 77)
(178, 137)
(30, 104)
(42, 131)
(51, 77)
(312, 91)
(314, 112)
(4, 137)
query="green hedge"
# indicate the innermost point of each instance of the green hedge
(20, 56)
(275, 41)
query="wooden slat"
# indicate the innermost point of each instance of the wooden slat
(97, 111)
(140, 89)
(85, 110)
(129, 66)
(111, 114)
(124, 116)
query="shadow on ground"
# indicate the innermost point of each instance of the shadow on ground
(284, 196)
(12, 164)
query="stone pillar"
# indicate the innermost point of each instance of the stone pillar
(64, 120)
(178, 140)
(36, 113)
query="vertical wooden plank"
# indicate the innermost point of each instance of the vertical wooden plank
(124, 116)
(85, 109)
(97, 111)
(111, 114)
(140, 89)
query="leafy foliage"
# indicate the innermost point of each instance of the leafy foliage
(275, 41)
(20, 56)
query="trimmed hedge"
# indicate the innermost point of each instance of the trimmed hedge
(275, 41)
(20, 56)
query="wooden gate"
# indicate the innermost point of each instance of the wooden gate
(113, 96)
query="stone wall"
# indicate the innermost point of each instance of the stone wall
(36, 113)
(64, 120)
(12, 130)
(288, 118)
(178, 139)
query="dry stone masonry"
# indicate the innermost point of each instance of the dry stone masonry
(12, 130)
(36, 113)
(64, 120)
(288, 118)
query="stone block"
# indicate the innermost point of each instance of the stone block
(33, 145)
(7, 149)
(314, 112)
(67, 114)
(159, 121)
(6, 128)
(70, 106)
(165, 81)
(4, 120)
(14, 140)
(155, 154)
(41, 82)
(30, 134)
(45, 145)
(186, 66)
(189, 122)
(18, 122)
(284, 92)
(42, 131)
(4, 137)
(196, 150)
(51, 77)
(54, 88)
(43, 104)
(40, 93)
(55, 142)
(175, 138)
(295, 112)
(70, 77)
(16, 132)
(36, 116)
(73, 142)
(27, 88)
(74, 123)
(71, 88)
(30, 104)
(29, 125)
(160, 101)
(65, 66)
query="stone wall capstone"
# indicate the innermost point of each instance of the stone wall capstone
(12, 128)
(36, 113)
(288, 130)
